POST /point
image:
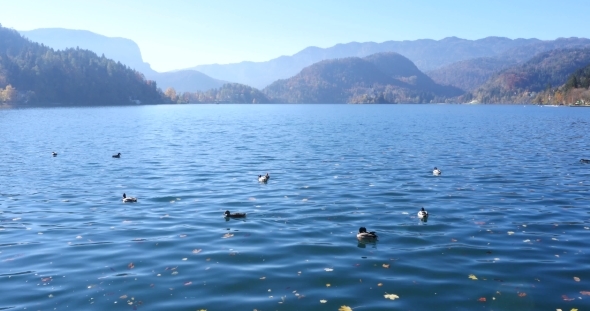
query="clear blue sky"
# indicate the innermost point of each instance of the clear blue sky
(175, 34)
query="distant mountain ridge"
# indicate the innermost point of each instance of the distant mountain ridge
(383, 78)
(122, 50)
(125, 51)
(427, 54)
(472, 73)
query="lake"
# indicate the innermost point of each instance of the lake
(509, 224)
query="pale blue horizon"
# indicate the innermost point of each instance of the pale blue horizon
(179, 34)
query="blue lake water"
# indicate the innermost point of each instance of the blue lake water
(509, 217)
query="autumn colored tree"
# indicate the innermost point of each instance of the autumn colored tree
(171, 94)
(8, 95)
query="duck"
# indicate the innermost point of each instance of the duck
(234, 215)
(118, 155)
(363, 234)
(128, 199)
(54, 154)
(264, 178)
(436, 171)
(585, 161)
(423, 214)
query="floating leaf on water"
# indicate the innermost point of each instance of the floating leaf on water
(526, 241)
(323, 301)
(345, 308)
(391, 296)
(123, 297)
(328, 285)
(386, 265)
(329, 269)
(577, 279)
(48, 279)
(521, 294)
(196, 251)
(380, 284)
(453, 240)
(566, 298)
(188, 283)
(182, 235)
(185, 258)
(473, 277)
(585, 293)
(510, 232)
(262, 278)
(174, 272)
(482, 299)
(574, 309)
(50, 296)
(130, 266)
(227, 235)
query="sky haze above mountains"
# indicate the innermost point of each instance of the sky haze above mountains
(179, 34)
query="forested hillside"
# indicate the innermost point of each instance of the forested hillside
(576, 91)
(33, 74)
(521, 83)
(472, 73)
(227, 93)
(379, 78)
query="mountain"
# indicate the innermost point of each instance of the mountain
(470, 74)
(122, 50)
(118, 49)
(520, 83)
(31, 73)
(383, 77)
(426, 54)
(187, 81)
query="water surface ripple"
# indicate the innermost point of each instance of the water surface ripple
(511, 208)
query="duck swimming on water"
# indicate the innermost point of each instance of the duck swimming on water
(264, 178)
(436, 171)
(54, 154)
(422, 214)
(234, 215)
(585, 161)
(363, 234)
(118, 155)
(127, 199)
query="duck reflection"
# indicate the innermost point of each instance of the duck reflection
(364, 243)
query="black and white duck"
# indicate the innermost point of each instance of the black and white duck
(127, 199)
